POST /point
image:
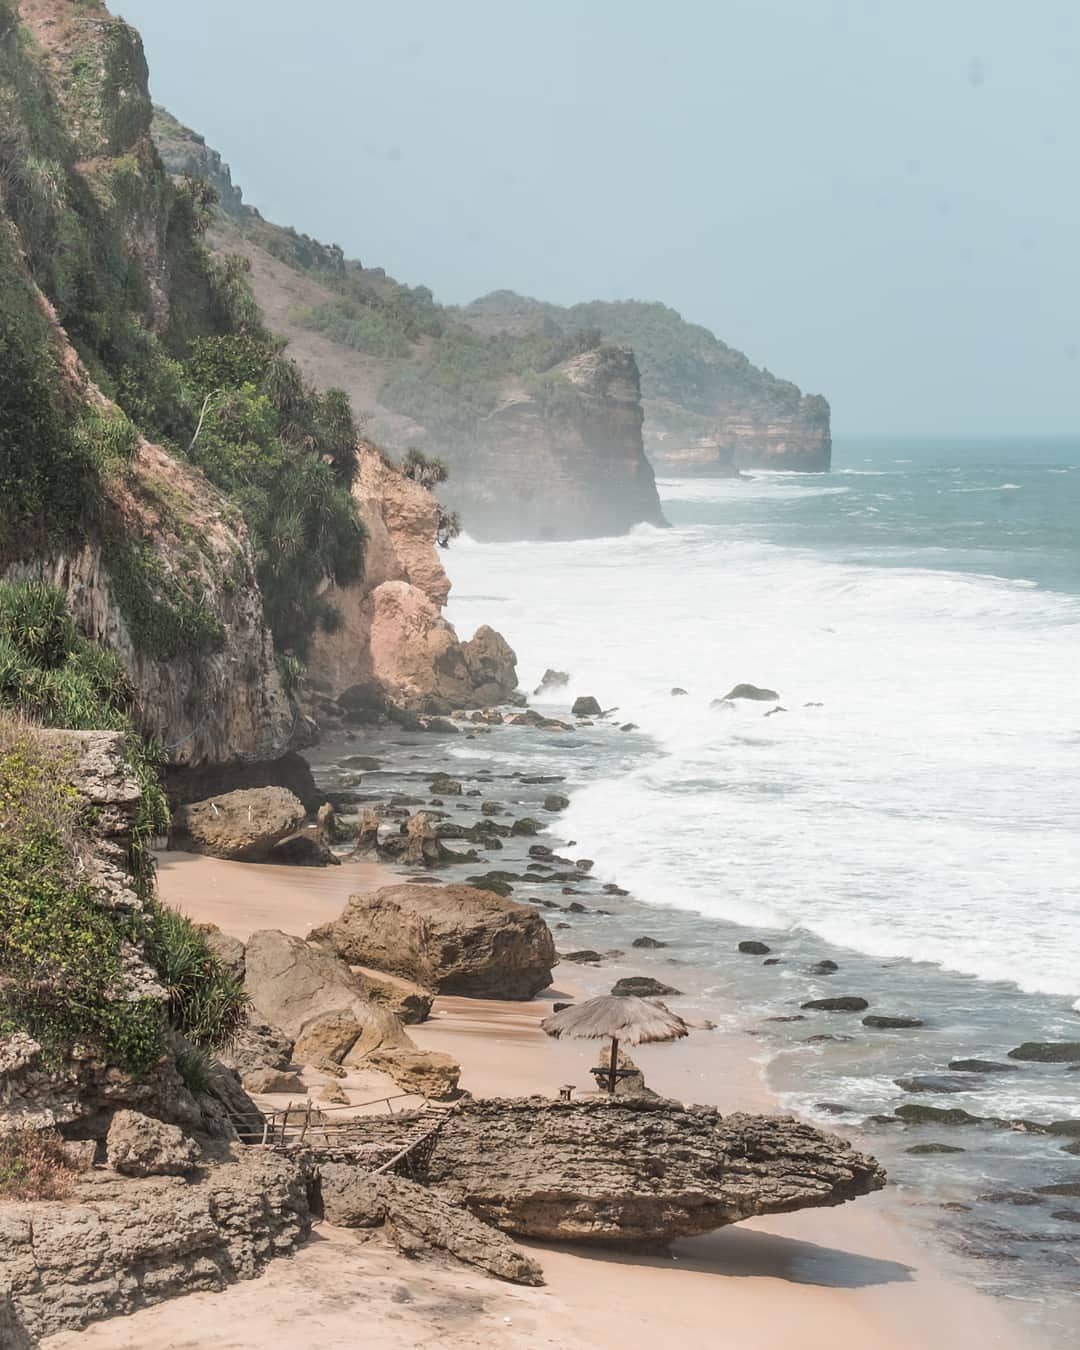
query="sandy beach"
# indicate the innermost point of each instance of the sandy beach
(816, 1280)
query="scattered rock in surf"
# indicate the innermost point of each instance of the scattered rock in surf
(575, 906)
(555, 801)
(936, 1082)
(819, 705)
(441, 726)
(1008, 1198)
(647, 942)
(826, 1036)
(778, 709)
(846, 1003)
(1066, 1215)
(677, 692)
(628, 726)
(585, 706)
(788, 1017)
(642, 986)
(1047, 1052)
(773, 961)
(1071, 1148)
(552, 679)
(526, 825)
(833, 1108)
(445, 786)
(1067, 1127)
(917, 1114)
(584, 864)
(611, 889)
(361, 762)
(751, 947)
(539, 850)
(490, 808)
(982, 1066)
(825, 967)
(934, 1148)
(750, 691)
(883, 1022)
(585, 957)
(723, 703)
(1069, 1188)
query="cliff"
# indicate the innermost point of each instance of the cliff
(98, 270)
(537, 446)
(707, 408)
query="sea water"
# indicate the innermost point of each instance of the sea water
(913, 812)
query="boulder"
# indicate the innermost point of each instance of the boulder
(305, 848)
(936, 1082)
(883, 1022)
(272, 1080)
(293, 983)
(982, 1066)
(826, 967)
(552, 679)
(641, 986)
(555, 801)
(630, 1083)
(228, 950)
(919, 1149)
(750, 691)
(256, 1045)
(754, 948)
(636, 1170)
(416, 1219)
(913, 1114)
(243, 825)
(431, 1073)
(649, 942)
(585, 957)
(1047, 1052)
(139, 1146)
(492, 665)
(407, 1000)
(586, 706)
(327, 1038)
(845, 1004)
(454, 939)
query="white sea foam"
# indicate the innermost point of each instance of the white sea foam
(928, 810)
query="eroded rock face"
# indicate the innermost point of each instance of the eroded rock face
(636, 1170)
(243, 825)
(139, 1146)
(122, 1244)
(416, 1220)
(455, 939)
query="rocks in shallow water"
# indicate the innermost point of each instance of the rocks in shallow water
(982, 1066)
(649, 942)
(825, 967)
(778, 709)
(642, 986)
(243, 825)
(555, 801)
(883, 1022)
(526, 825)
(915, 1114)
(936, 1082)
(934, 1148)
(454, 939)
(845, 1004)
(825, 1036)
(636, 1170)
(586, 957)
(629, 726)
(1069, 1188)
(677, 692)
(586, 706)
(1022, 1198)
(609, 888)
(1048, 1052)
(415, 1219)
(750, 691)
(1066, 1215)
(139, 1146)
(833, 1108)
(787, 1017)
(754, 948)
(552, 679)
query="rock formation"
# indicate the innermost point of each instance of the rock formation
(455, 939)
(636, 1170)
(121, 1244)
(243, 825)
(139, 1146)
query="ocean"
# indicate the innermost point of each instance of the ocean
(913, 813)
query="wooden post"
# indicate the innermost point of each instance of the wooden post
(613, 1070)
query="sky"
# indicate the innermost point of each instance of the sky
(877, 200)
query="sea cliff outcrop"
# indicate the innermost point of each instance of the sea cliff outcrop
(391, 635)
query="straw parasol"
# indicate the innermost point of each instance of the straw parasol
(622, 1018)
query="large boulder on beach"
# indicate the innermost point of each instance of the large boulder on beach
(636, 1170)
(140, 1146)
(243, 825)
(454, 939)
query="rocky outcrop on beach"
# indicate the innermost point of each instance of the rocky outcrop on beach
(392, 636)
(121, 1243)
(243, 826)
(636, 1170)
(455, 939)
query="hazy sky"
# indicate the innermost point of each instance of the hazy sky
(878, 199)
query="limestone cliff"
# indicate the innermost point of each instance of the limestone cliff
(391, 629)
(97, 262)
(708, 409)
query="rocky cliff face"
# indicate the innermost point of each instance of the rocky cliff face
(98, 259)
(561, 456)
(795, 438)
(392, 631)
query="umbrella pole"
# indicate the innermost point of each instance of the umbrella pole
(613, 1068)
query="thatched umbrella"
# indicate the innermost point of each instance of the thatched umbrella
(622, 1018)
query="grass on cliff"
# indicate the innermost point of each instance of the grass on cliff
(33, 1166)
(62, 954)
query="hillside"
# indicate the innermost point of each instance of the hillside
(707, 408)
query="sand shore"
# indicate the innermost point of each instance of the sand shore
(844, 1279)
